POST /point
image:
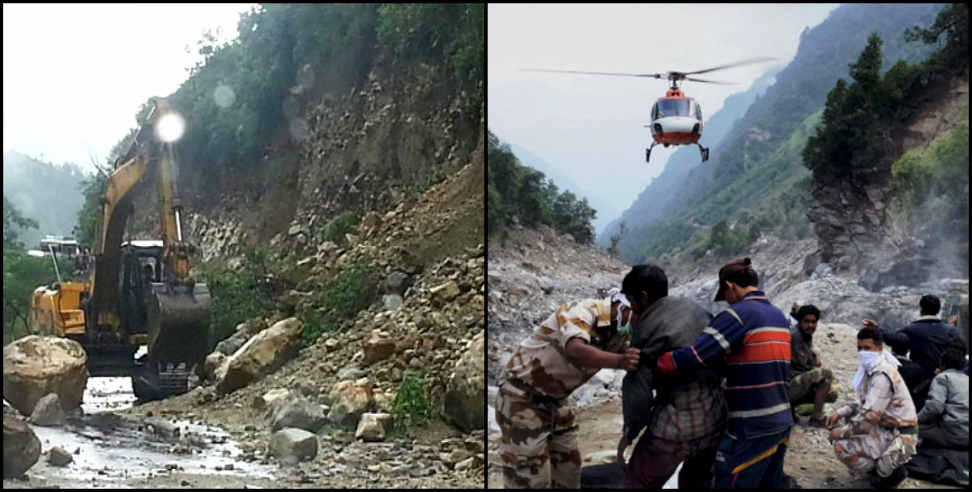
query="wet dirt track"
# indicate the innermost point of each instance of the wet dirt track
(117, 452)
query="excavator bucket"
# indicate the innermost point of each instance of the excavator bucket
(179, 319)
(179, 339)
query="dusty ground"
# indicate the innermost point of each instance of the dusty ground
(810, 458)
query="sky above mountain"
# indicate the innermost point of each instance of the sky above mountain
(74, 75)
(592, 127)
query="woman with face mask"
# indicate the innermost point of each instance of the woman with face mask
(881, 432)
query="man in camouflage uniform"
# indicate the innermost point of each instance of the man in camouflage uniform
(881, 433)
(563, 353)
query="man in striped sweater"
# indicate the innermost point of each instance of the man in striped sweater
(754, 338)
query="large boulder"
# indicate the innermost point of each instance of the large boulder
(21, 448)
(231, 344)
(371, 427)
(36, 366)
(379, 347)
(261, 355)
(298, 413)
(293, 445)
(274, 399)
(48, 411)
(349, 400)
(57, 456)
(465, 398)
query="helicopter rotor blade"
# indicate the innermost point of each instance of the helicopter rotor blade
(760, 59)
(649, 75)
(693, 79)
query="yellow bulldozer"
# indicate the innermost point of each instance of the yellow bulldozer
(136, 292)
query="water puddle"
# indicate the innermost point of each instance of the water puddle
(112, 449)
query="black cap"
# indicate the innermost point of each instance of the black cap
(737, 265)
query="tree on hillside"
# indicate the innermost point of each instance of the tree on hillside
(13, 221)
(953, 21)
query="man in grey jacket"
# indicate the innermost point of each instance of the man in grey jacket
(944, 421)
(686, 420)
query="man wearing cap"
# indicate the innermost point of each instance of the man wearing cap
(563, 353)
(754, 338)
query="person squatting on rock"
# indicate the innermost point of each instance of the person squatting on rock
(944, 420)
(926, 338)
(563, 353)
(687, 419)
(755, 338)
(881, 432)
(809, 380)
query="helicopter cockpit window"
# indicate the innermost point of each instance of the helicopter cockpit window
(673, 107)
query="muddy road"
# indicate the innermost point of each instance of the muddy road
(116, 451)
(178, 443)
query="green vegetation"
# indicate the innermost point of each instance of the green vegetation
(855, 115)
(517, 192)
(933, 183)
(432, 32)
(351, 290)
(756, 179)
(239, 295)
(337, 227)
(43, 191)
(22, 274)
(410, 407)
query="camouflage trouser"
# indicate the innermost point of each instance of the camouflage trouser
(806, 383)
(532, 433)
(881, 449)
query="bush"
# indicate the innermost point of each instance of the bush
(410, 406)
(232, 292)
(353, 289)
(335, 230)
(518, 192)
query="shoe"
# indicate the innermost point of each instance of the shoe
(819, 423)
(892, 481)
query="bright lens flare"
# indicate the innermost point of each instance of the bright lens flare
(170, 127)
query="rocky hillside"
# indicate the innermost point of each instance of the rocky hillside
(368, 203)
(755, 178)
(866, 226)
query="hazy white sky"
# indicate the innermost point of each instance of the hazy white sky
(74, 75)
(590, 126)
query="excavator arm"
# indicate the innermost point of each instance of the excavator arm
(177, 309)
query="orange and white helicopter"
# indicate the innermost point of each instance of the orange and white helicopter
(676, 119)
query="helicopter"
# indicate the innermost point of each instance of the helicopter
(676, 119)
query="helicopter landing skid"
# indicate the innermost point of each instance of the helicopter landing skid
(648, 152)
(704, 151)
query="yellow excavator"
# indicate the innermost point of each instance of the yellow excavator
(136, 292)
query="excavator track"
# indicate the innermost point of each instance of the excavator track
(159, 380)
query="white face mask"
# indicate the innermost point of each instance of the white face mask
(625, 328)
(869, 359)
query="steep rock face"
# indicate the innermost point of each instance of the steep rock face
(858, 229)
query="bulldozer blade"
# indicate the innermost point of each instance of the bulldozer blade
(179, 319)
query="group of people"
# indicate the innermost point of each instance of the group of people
(716, 394)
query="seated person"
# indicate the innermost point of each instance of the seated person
(925, 338)
(809, 381)
(881, 433)
(944, 420)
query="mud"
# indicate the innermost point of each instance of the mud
(111, 450)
